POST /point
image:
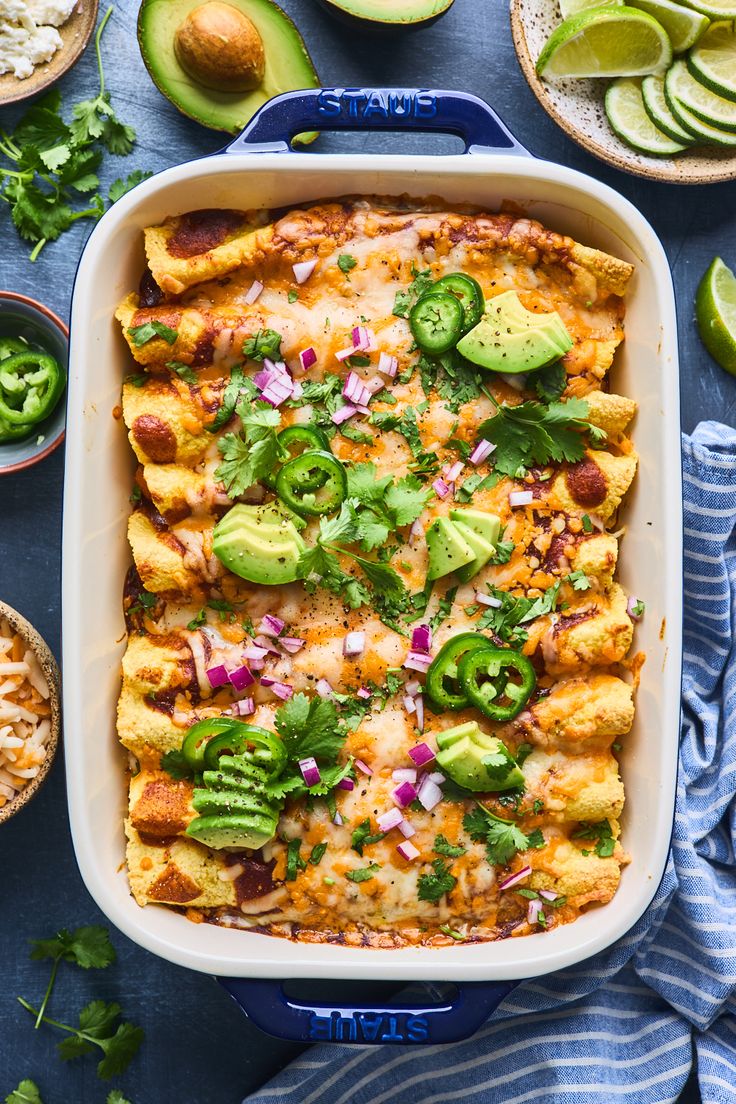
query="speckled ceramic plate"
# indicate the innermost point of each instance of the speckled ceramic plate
(75, 34)
(577, 106)
(48, 665)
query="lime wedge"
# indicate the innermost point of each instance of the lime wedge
(700, 100)
(703, 132)
(573, 7)
(713, 60)
(714, 9)
(683, 25)
(655, 104)
(628, 118)
(715, 313)
(606, 42)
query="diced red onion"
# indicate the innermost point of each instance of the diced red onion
(343, 354)
(374, 385)
(630, 608)
(481, 451)
(548, 894)
(437, 777)
(420, 713)
(388, 364)
(416, 532)
(390, 819)
(243, 708)
(361, 340)
(407, 850)
(307, 357)
(362, 409)
(514, 879)
(418, 661)
(413, 687)
(429, 793)
(267, 644)
(404, 794)
(363, 767)
(409, 704)
(515, 380)
(242, 678)
(271, 626)
(263, 377)
(441, 489)
(421, 754)
(521, 498)
(310, 771)
(532, 913)
(343, 413)
(407, 830)
(421, 638)
(453, 472)
(255, 652)
(323, 688)
(404, 774)
(292, 644)
(277, 391)
(345, 784)
(337, 819)
(253, 292)
(363, 693)
(296, 390)
(355, 391)
(488, 600)
(353, 644)
(303, 270)
(280, 689)
(217, 676)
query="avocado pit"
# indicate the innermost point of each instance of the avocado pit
(218, 46)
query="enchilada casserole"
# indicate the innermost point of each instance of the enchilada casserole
(378, 663)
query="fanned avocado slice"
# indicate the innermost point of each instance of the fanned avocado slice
(288, 65)
(232, 831)
(387, 14)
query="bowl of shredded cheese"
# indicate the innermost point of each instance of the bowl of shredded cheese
(39, 41)
(30, 714)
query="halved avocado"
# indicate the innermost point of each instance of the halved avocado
(387, 14)
(288, 65)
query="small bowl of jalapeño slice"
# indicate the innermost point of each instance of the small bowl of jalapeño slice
(34, 352)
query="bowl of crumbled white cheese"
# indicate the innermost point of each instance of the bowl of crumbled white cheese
(39, 41)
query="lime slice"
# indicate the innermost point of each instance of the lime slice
(606, 42)
(683, 25)
(715, 313)
(703, 132)
(655, 104)
(628, 118)
(714, 9)
(713, 60)
(573, 7)
(700, 100)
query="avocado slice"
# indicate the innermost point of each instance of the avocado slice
(447, 548)
(387, 14)
(258, 550)
(230, 803)
(511, 339)
(484, 524)
(288, 65)
(232, 831)
(482, 549)
(462, 755)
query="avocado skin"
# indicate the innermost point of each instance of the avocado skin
(446, 548)
(288, 64)
(461, 754)
(367, 14)
(258, 550)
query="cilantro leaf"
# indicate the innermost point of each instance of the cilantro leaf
(120, 1050)
(549, 382)
(363, 875)
(183, 371)
(346, 263)
(174, 763)
(310, 727)
(502, 837)
(88, 947)
(579, 580)
(431, 887)
(264, 343)
(120, 187)
(406, 499)
(294, 861)
(534, 433)
(419, 286)
(498, 764)
(455, 379)
(237, 385)
(442, 846)
(250, 456)
(506, 620)
(363, 837)
(602, 833)
(317, 853)
(141, 335)
(26, 1093)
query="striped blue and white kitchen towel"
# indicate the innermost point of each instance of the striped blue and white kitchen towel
(628, 1025)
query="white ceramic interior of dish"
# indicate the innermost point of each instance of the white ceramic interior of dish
(577, 106)
(100, 467)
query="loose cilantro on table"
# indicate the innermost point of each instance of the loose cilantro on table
(254, 452)
(98, 1027)
(503, 838)
(363, 875)
(420, 285)
(88, 947)
(535, 433)
(431, 887)
(602, 833)
(183, 371)
(141, 335)
(363, 837)
(442, 846)
(26, 1093)
(53, 164)
(264, 343)
(121, 187)
(506, 620)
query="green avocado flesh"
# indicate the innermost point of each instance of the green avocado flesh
(255, 546)
(288, 65)
(446, 548)
(233, 806)
(232, 831)
(461, 754)
(463, 543)
(389, 12)
(509, 338)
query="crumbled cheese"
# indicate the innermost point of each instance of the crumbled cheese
(28, 35)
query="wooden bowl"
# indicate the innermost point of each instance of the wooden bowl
(577, 106)
(48, 665)
(75, 35)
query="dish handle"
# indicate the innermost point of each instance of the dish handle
(436, 1020)
(272, 129)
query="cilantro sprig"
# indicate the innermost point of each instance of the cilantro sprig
(539, 433)
(503, 838)
(88, 947)
(252, 454)
(431, 887)
(98, 1027)
(602, 833)
(26, 1093)
(49, 176)
(506, 620)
